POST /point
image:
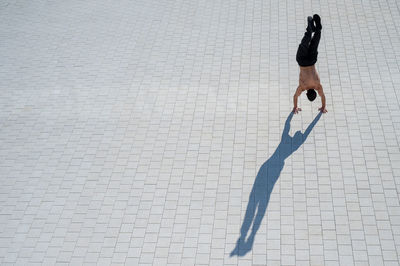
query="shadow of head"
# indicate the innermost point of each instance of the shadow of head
(298, 135)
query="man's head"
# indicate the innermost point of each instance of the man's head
(311, 95)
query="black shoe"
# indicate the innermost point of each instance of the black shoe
(317, 20)
(310, 26)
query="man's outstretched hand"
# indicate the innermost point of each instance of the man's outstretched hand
(296, 110)
(322, 109)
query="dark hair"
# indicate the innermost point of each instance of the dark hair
(311, 95)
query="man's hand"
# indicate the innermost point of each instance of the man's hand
(296, 110)
(295, 96)
(322, 109)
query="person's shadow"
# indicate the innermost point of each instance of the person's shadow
(266, 178)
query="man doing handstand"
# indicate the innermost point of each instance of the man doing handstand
(306, 57)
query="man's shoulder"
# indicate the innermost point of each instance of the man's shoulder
(300, 89)
(318, 86)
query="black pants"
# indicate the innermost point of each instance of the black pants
(308, 49)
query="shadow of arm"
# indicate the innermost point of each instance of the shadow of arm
(311, 126)
(287, 125)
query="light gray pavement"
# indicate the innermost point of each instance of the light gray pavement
(132, 132)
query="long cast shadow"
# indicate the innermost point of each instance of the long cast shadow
(266, 178)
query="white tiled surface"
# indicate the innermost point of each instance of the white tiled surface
(131, 132)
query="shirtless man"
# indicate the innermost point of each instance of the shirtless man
(306, 58)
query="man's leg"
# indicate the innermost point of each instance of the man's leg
(305, 42)
(302, 50)
(317, 35)
(313, 48)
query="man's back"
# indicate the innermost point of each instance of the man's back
(308, 78)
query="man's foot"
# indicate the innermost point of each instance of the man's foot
(310, 26)
(317, 20)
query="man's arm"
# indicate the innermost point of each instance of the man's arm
(296, 95)
(323, 100)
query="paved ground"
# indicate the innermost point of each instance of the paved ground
(153, 132)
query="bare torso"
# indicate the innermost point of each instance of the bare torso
(309, 78)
